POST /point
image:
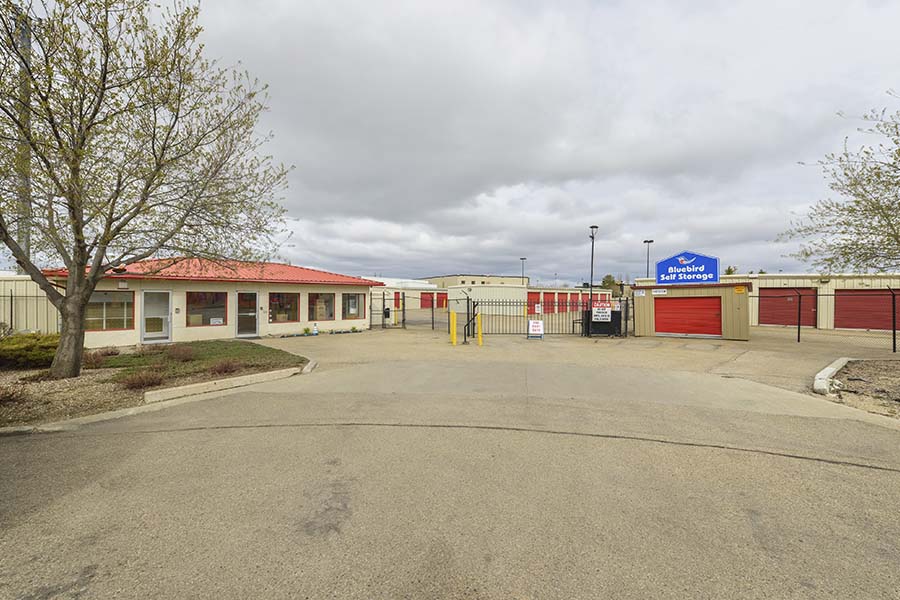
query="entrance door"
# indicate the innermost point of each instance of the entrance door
(689, 315)
(156, 326)
(247, 314)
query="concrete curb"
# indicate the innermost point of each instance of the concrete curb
(185, 394)
(152, 396)
(308, 368)
(824, 381)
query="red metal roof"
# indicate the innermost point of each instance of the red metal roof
(200, 269)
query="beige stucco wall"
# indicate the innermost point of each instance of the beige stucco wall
(735, 308)
(182, 333)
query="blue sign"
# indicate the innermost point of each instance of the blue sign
(687, 267)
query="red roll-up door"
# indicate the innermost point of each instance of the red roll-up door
(778, 306)
(441, 300)
(573, 302)
(691, 315)
(549, 302)
(534, 298)
(396, 299)
(863, 309)
(426, 300)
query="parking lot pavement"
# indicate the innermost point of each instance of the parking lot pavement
(425, 471)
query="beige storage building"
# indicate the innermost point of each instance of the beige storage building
(697, 310)
(467, 279)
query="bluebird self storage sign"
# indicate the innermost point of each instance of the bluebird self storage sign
(687, 267)
(687, 299)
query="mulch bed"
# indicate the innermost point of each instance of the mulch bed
(872, 385)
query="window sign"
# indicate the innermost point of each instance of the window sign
(687, 268)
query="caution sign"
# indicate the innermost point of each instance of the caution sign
(601, 311)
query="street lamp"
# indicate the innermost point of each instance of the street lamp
(648, 242)
(594, 229)
(523, 259)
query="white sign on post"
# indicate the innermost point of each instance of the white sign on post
(538, 309)
(601, 312)
(535, 329)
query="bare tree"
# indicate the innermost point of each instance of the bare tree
(860, 230)
(138, 146)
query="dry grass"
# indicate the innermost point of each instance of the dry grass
(141, 380)
(180, 353)
(225, 367)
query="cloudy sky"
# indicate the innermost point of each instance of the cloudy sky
(443, 137)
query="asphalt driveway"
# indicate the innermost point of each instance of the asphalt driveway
(402, 469)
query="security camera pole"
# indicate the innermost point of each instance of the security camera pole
(523, 259)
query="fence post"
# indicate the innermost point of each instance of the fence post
(432, 312)
(479, 329)
(11, 315)
(799, 313)
(403, 308)
(383, 306)
(894, 317)
(451, 326)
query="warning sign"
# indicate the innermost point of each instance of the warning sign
(601, 311)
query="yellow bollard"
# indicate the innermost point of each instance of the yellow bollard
(479, 329)
(453, 328)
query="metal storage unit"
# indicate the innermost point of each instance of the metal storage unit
(779, 306)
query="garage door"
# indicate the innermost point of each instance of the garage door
(689, 315)
(426, 300)
(549, 302)
(442, 300)
(863, 309)
(534, 298)
(778, 306)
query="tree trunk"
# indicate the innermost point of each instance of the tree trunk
(67, 361)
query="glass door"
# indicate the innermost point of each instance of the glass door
(247, 314)
(157, 321)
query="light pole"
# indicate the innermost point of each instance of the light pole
(594, 229)
(523, 259)
(648, 242)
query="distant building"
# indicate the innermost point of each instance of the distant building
(446, 281)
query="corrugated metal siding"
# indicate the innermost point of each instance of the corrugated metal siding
(25, 307)
(735, 309)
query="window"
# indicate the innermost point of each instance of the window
(107, 311)
(354, 306)
(321, 307)
(284, 308)
(207, 308)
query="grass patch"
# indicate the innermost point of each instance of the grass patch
(197, 359)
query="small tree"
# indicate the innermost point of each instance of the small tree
(859, 230)
(608, 282)
(135, 146)
(731, 270)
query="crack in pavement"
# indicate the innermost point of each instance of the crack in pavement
(607, 436)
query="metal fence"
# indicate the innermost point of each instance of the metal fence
(561, 317)
(409, 309)
(864, 317)
(28, 312)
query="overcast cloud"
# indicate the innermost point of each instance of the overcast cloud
(456, 137)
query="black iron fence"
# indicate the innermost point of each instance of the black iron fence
(28, 312)
(861, 316)
(561, 317)
(409, 309)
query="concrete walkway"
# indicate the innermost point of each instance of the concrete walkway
(405, 468)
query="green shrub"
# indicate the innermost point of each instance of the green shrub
(142, 379)
(307, 330)
(27, 351)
